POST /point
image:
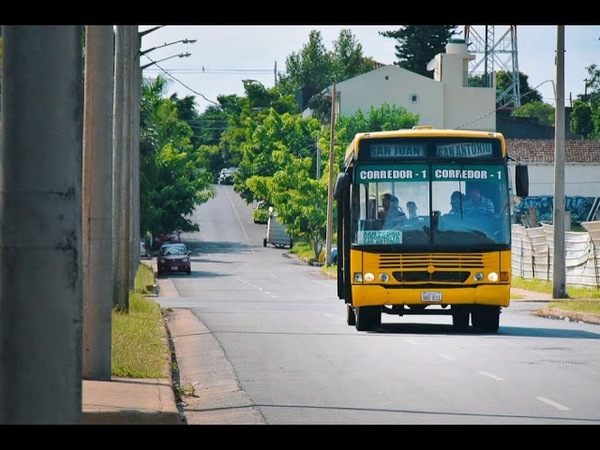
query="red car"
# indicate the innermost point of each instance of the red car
(174, 258)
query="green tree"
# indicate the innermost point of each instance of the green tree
(381, 118)
(309, 70)
(581, 118)
(280, 154)
(585, 117)
(314, 68)
(172, 180)
(538, 109)
(503, 81)
(419, 44)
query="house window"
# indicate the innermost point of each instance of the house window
(413, 98)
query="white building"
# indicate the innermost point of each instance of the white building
(444, 101)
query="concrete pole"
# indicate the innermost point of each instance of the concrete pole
(559, 289)
(120, 282)
(97, 203)
(41, 231)
(329, 229)
(135, 157)
(127, 162)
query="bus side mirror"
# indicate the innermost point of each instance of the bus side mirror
(522, 180)
(339, 185)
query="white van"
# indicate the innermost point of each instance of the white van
(277, 235)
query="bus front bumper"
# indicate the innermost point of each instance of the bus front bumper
(482, 294)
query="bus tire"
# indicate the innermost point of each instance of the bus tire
(460, 317)
(350, 316)
(486, 318)
(367, 317)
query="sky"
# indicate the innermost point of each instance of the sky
(224, 55)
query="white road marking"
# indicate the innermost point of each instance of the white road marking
(492, 376)
(553, 403)
(450, 358)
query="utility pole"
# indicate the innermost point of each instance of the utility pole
(329, 229)
(558, 273)
(97, 203)
(121, 181)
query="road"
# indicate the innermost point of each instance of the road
(272, 334)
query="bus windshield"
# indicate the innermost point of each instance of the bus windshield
(425, 205)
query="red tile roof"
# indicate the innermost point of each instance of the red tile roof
(542, 150)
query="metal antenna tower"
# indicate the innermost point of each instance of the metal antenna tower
(494, 54)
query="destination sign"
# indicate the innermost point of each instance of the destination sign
(472, 173)
(414, 172)
(394, 150)
(465, 150)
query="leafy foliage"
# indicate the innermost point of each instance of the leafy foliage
(542, 111)
(528, 95)
(585, 117)
(172, 179)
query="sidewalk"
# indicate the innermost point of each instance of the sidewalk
(133, 401)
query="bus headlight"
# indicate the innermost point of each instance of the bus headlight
(369, 277)
(478, 276)
(358, 277)
(493, 277)
(384, 277)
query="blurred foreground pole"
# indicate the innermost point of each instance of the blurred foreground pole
(40, 231)
(558, 270)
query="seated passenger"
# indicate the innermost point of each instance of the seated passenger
(412, 211)
(393, 216)
(477, 203)
(456, 201)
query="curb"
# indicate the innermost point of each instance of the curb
(130, 401)
(571, 316)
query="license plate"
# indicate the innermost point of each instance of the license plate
(431, 296)
(173, 267)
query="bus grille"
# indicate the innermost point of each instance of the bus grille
(420, 276)
(438, 267)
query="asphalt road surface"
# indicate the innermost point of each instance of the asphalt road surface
(263, 339)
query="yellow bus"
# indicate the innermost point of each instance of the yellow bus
(437, 256)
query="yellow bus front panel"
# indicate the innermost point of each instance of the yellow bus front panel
(430, 278)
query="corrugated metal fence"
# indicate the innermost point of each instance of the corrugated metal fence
(532, 253)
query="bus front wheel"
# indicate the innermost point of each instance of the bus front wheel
(460, 317)
(486, 318)
(367, 317)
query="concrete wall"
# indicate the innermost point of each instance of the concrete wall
(581, 180)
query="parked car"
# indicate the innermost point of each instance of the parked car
(222, 175)
(174, 258)
(226, 175)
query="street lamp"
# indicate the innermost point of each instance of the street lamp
(254, 81)
(181, 55)
(182, 41)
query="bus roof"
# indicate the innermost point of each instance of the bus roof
(418, 131)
